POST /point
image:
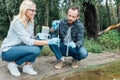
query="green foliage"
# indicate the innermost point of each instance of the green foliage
(46, 51)
(7, 10)
(92, 46)
(110, 40)
(10, 8)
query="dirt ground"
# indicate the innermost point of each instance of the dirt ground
(45, 66)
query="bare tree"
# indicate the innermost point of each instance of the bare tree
(108, 10)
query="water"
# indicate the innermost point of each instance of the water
(109, 71)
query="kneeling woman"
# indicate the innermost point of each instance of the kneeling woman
(20, 46)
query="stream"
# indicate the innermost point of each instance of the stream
(109, 71)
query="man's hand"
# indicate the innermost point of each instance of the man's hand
(55, 24)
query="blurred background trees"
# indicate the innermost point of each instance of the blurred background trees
(95, 14)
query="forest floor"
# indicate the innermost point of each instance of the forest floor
(44, 65)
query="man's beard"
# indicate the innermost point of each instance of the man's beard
(70, 22)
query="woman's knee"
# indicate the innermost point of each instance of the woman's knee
(35, 50)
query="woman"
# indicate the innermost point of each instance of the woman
(20, 46)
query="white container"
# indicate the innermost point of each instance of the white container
(45, 32)
(45, 29)
(44, 36)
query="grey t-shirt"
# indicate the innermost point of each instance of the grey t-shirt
(68, 38)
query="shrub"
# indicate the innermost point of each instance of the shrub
(110, 40)
(92, 46)
(46, 51)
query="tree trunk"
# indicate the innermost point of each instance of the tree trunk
(108, 10)
(99, 13)
(90, 20)
(113, 12)
(109, 28)
(118, 14)
(118, 11)
(47, 14)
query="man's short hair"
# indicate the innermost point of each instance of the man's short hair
(75, 8)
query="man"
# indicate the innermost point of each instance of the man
(71, 34)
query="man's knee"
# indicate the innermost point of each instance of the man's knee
(83, 52)
(52, 46)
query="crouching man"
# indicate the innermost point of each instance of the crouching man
(71, 34)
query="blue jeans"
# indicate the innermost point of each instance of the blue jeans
(76, 53)
(21, 54)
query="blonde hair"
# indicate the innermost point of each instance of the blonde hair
(26, 4)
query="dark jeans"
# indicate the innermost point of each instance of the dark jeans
(76, 53)
(21, 54)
